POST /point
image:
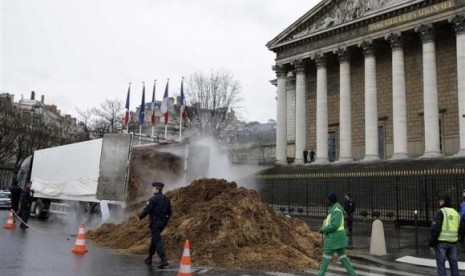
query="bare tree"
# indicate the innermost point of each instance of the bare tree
(107, 118)
(211, 99)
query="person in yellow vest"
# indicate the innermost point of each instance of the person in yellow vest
(335, 239)
(444, 236)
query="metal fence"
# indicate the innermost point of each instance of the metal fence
(386, 195)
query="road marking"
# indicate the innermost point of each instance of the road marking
(425, 262)
(315, 272)
(381, 269)
(358, 271)
(280, 274)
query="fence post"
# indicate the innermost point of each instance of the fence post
(415, 216)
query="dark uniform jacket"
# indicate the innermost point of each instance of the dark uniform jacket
(15, 194)
(158, 207)
(349, 207)
(26, 198)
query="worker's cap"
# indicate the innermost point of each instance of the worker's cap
(158, 184)
(332, 197)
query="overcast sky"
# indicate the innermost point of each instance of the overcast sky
(79, 53)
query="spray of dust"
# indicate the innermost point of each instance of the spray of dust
(220, 167)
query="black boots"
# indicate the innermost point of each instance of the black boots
(148, 260)
(163, 263)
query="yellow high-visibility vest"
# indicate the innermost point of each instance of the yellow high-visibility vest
(328, 220)
(450, 225)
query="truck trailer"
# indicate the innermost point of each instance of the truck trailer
(100, 175)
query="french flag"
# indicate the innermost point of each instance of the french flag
(142, 107)
(183, 103)
(126, 115)
(153, 104)
(164, 104)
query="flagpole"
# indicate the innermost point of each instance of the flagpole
(129, 120)
(180, 112)
(165, 107)
(153, 117)
(141, 111)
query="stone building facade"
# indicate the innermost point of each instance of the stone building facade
(370, 80)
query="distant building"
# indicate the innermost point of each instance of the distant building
(250, 142)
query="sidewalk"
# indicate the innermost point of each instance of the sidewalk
(400, 242)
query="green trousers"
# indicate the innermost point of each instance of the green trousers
(328, 254)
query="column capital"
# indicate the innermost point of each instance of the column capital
(320, 60)
(396, 41)
(426, 32)
(299, 66)
(343, 55)
(279, 70)
(459, 24)
(368, 48)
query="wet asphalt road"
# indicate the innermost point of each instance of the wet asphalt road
(45, 249)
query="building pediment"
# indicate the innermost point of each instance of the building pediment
(329, 14)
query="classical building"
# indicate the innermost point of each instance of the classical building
(371, 80)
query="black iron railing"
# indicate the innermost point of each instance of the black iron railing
(377, 194)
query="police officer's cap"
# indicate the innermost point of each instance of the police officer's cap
(158, 184)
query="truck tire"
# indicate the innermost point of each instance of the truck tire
(39, 210)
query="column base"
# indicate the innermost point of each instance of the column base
(298, 161)
(280, 162)
(342, 160)
(321, 161)
(431, 154)
(461, 153)
(399, 156)
(369, 158)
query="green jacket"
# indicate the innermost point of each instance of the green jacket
(334, 238)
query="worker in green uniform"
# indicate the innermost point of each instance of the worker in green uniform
(335, 239)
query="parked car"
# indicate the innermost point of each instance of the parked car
(5, 200)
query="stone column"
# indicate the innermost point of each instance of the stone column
(321, 110)
(371, 103)
(345, 108)
(281, 117)
(300, 112)
(399, 102)
(459, 25)
(430, 92)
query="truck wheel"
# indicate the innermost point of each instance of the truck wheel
(39, 209)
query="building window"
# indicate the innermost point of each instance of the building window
(381, 147)
(332, 146)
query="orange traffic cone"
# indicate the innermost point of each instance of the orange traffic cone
(10, 225)
(80, 245)
(185, 267)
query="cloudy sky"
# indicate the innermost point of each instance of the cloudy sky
(79, 53)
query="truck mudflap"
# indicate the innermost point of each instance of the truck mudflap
(114, 167)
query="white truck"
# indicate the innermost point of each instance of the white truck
(95, 176)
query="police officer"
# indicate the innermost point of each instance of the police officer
(349, 207)
(15, 195)
(25, 204)
(159, 209)
(444, 236)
